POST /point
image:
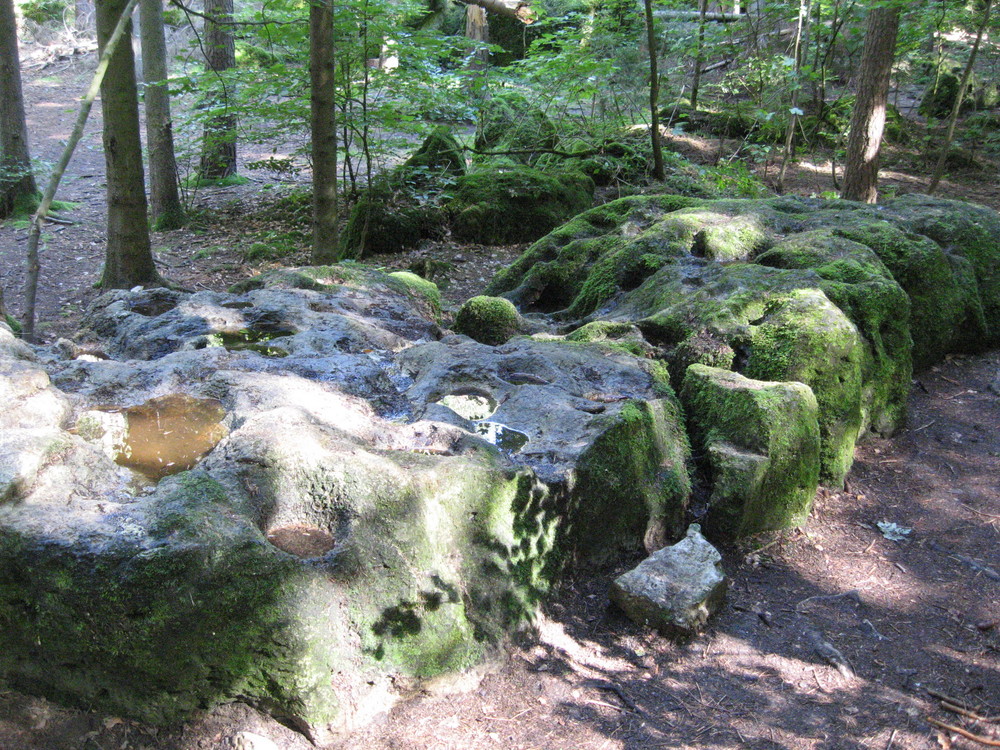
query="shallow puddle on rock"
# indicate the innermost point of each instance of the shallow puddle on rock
(170, 434)
(250, 340)
(301, 540)
(471, 406)
(502, 436)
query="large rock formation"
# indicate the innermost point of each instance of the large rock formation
(303, 495)
(843, 297)
(306, 494)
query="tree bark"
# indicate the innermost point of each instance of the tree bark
(83, 14)
(128, 259)
(218, 155)
(654, 93)
(519, 11)
(34, 267)
(322, 66)
(868, 118)
(164, 198)
(477, 29)
(699, 53)
(959, 98)
(17, 183)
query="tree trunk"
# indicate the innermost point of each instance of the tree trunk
(793, 110)
(128, 260)
(868, 117)
(218, 151)
(17, 183)
(164, 198)
(322, 65)
(514, 9)
(963, 86)
(477, 29)
(654, 93)
(699, 53)
(83, 18)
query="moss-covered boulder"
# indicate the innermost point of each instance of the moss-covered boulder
(762, 445)
(439, 154)
(389, 218)
(489, 320)
(515, 204)
(854, 278)
(590, 258)
(600, 428)
(942, 90)
(510, 126)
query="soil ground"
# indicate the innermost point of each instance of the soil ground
(833, 636)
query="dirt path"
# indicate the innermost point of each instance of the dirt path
(907, 616)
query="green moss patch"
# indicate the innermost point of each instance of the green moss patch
(761, 443)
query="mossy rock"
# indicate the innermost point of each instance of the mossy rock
(726, 123)
(761, 442)
(439, 153)
(519, 204)
(942, 90)
(510, 123)
(829, 126)
(855, 279)
(632, 479)
(489, 320)
(389, 218)
(419, 286)
(621, 336)
(778, 325)
(550, 276)
(968, 235)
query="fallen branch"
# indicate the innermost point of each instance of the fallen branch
(965, 733)
(967, 713)
(693, 15)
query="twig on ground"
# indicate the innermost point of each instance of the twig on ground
(967, 713)
(892, 738)
(852, 594)
(613, 688)
(965, 733)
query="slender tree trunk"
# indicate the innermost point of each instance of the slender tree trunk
(34, 268)
(793, 110)
(128, 258)
(83, 14)
(699, 54)
(322, 104)
(963, 86)
(218, 154)
(654, 93)
(164, 197)
(477, 28)
(17, 183)
(868, 117)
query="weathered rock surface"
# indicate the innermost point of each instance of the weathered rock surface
(676, 589)
(345, 533)
(367, 500)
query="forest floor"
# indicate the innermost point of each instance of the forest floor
(833, 636)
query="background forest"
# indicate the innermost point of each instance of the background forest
(747, 98)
